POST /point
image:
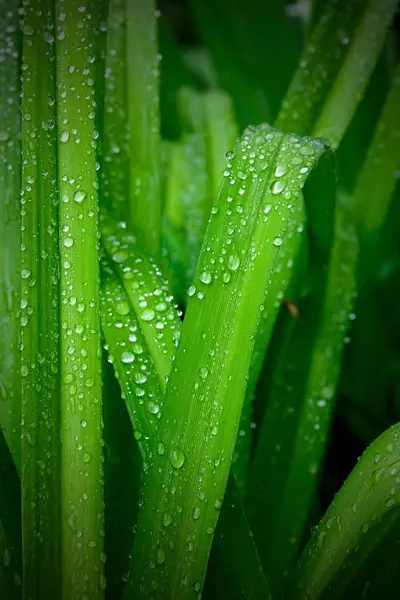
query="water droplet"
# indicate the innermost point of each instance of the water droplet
(122, 307)
(267, 209)
(160, 556)
(160, 448)
(390, 502)
(64, 137)
(226, 277)
(280, 170)
(24, 371)
(177, 458)
(203, 373)
(277, 241)
(127, 358)
(152, 407)
(278, 187)
(306, 150)
(87, 457)
(25, 273)
(191, 290)
(120, 257)
(206, 277)
(79, 196)
(196, 513)
(148, 314)
(68, 242)
(166, 519)
(233, 262)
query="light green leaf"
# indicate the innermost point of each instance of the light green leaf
(246, 237)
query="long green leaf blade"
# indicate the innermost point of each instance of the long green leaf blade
(40, 416)
(369, 500)
(295, 429)
(10, 264)
(142, 391)
(148, 295)
(115, 167)
(144, 127)
(356, 70)
(335, 67)
(81, 398)
(242, 244)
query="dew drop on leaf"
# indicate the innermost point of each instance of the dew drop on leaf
(177, 458)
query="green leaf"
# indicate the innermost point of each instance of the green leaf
(82, 508)
(115, 165)
(144, 126)
(332, 77)
(144, 400)
(221, 133)
(356, 70)
(148, 294)
(10, 266)
(365, 508)
(202, 406)
(292, 441)
(40, 324)
(377, 181)
(296, 424)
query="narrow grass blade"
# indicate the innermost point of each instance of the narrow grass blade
(144, 128)
(364, 509)
(292, 440)
(81, 398)
(296, 424)
(115, 167)
(356, 70)
(241, 247)
(378, 572)
(349, 37)
(133, 365)
(195, 194)
(40, 326)
(196, 168)
(377, 181)
(221, 134)
(148, 294)
(10, 267)
(144, 402)
(174, 236)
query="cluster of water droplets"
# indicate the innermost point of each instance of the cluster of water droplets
(154, 306)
